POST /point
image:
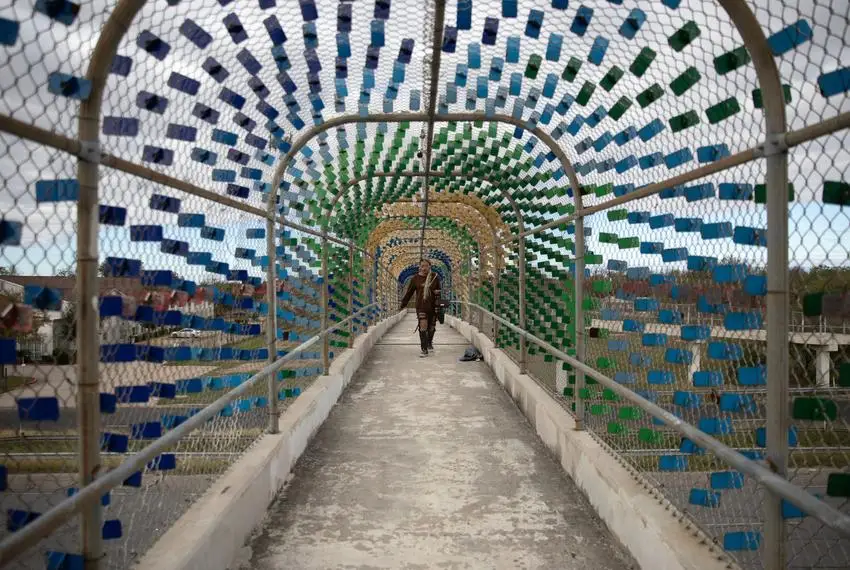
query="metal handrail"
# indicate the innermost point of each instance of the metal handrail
(19, 542)
(827, 514)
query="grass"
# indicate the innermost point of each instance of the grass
(260, 389)
(12, 383)
(235, 442)
(708, 463)
(808, 437)
(185, 466)
(800, 458)
(251, 343)
(210, 396)
(218, 367)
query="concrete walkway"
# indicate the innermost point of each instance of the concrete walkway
(427, 463)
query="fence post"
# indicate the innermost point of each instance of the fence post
(271, 323)
(88, 220)
(578, 317)
(351, 294)
(326, 364)
(776, 182)
(394, 292)
(496, 278)
(88, 343)
(480, 282)
(383, 295)
(469, 289)
(374, 279)
(523, 347)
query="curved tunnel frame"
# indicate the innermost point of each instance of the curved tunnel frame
(495, 244)
(87, 149)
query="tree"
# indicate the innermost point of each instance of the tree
(67, 272)
(22, 338)
(8, 270)
(103, 269)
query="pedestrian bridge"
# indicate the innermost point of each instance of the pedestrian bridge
(637, 210)
(428, 463)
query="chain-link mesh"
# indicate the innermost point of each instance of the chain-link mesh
(209, 98)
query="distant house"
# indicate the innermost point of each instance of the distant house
(54, 333)
(49, 335)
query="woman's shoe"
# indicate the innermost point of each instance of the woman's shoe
(423, 353)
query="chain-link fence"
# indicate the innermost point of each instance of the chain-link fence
(122, 323)
(674, 284)
(641, 147)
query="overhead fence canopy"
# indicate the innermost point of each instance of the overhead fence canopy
(656, 189)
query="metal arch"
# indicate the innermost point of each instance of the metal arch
(776, 181)
(436, 53)
(493, 232)
(467, 201)
(542, 135)
(88, 344)
(460, 287)
(434, 173)
(409, 253)
(389, 233)
(409, 258)
(342, 120)
(497, 258)
(481, 215)
(497, 245)
(404, 238)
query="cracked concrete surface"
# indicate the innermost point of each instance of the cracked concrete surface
(427, 463)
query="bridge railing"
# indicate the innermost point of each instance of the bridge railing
(160, 451)
(721, 470)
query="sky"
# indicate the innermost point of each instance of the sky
(45, 47)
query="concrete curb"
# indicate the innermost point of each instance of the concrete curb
(653, 537)
(210, 535)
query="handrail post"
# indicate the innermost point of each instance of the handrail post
(496, 279)
(382, 293)
(88, 319)
(578, 317)
(776, 182)
(326, 364)
(394, 291)
(373, 298)
(351, 294)
(271, 323)
(469, 289)
(523, 346)
(480, 282)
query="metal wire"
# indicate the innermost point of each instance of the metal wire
(554, 105)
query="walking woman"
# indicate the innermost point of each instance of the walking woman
(426, 285)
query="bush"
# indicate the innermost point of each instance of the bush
(62, 357)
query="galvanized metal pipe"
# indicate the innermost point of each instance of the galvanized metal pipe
(523, 348)
(271, 324)
(88, 283)
(436, 52)
(776, 181)
(578, 315)
(19, 542)
(326, 363)
(496, 282)
(827, 514)
(350, 295)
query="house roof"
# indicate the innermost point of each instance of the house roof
(66, 285)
